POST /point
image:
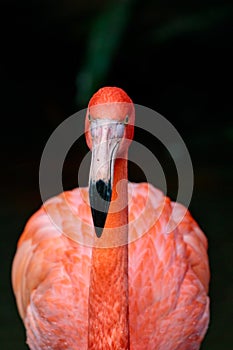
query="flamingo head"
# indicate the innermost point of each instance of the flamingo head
(109, 129)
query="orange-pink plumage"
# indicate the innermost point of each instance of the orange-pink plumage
(167, 279)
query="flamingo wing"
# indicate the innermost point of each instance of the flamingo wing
(168, 274)
(51, 276)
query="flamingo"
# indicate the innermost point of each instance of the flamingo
(108, 275)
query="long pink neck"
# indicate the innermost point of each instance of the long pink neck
(108, 296)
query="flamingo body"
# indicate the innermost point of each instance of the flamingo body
(168, 273)
(114, 265)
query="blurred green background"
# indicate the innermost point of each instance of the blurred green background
(172, 56)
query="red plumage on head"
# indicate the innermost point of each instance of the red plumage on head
(111, 103)
(109, 95)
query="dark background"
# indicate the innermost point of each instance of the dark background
(172, 56)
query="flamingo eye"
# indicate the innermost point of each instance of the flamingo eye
(126, 119)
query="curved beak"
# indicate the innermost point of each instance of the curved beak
(106, 136)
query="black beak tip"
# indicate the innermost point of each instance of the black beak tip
(98, 231)
(99, 218)
(100, 197)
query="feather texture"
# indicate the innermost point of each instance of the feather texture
(168, 273)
